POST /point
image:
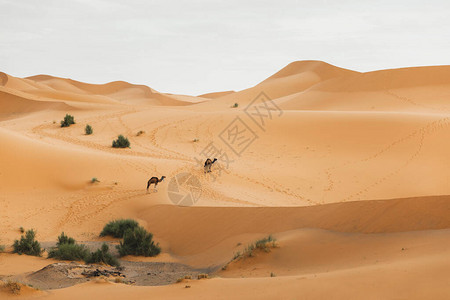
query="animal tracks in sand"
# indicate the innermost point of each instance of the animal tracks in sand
(419, 135)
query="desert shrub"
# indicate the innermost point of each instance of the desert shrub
(138, 241)
(88, 129)
(27, 244)
(64, 239)
(140, 132)
(69, 252)
(94, 180)
(68, 120)
(13, 287)
(264, 244)
(117, 228)
(202, 276)
(235, 105)
(121, 142)
(102, 256)
(2, 248)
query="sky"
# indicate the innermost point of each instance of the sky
(195, 47)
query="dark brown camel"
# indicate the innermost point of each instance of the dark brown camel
(208, 164)
(154, 180)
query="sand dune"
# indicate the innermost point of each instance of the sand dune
(294, 78)
(12, 106)
(350, 176)
(246, 224)
(216, 94)
(422, 89)
(59, 89)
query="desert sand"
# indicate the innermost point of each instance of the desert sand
(347, 170)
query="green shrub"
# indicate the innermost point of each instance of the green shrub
(69, 252)
(88, 129)
(121, 142)
(64, 239)
(235, 105)
(68, 249)
(117, 228)
(27, 244)
(68, 120)
(138, 241)
(102, 256)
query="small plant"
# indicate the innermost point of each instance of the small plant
(13, 287)
(264, 244)
(121, 142)
(202, 276)
(2, 248)
(195, 140)
(94, 180)
(22, 230)
(64, 239)
(102, 256)
(138, 241)
(185, 277)
(272, 274)
(118, 280)
(235, 105)
(88, 129)
(68, 120)
(27, 244)
(117, 228)
(69, 252)
(140, 132)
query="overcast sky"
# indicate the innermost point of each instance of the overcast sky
(194, 47)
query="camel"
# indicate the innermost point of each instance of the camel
(208, 164)
(154, 180)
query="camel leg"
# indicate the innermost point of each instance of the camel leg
(155, 187)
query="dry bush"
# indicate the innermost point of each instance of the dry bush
(13, 287)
